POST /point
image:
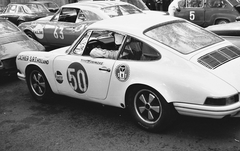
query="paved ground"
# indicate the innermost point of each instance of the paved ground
(76, 125)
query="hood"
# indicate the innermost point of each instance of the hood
(40, 15)
(12, 45)
(222, 61)
(229, 29)
(48, 18)
(62, 50)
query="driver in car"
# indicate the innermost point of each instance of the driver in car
(105, 53)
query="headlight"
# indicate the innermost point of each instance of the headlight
(222, 101)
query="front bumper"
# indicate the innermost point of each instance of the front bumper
(216, 112)
(21, 76)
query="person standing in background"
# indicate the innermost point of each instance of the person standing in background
(174, 7)
(165, 4)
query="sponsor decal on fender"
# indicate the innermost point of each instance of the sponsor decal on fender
(122, 72)
(59, 77)
(23, 57)
(32, 59)
(38, 60)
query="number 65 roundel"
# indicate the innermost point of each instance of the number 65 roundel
(77, 77)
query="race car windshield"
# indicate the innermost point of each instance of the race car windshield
(183, 37)
(114, 11)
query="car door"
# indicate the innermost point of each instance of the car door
(192, 10)
(81, 76)
(61, 30)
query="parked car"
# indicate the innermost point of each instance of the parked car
(70, 21)
(50, 5)
(18, 13)
(209, 12)
(2, 8)
(163, 65)
(138, 3)
(230, 31)
(12, 42)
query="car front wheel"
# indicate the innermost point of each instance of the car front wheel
(31, 35)
(38, 85)
(149, 109)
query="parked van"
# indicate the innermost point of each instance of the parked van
(209, 12)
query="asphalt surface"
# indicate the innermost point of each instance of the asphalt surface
(67, 124)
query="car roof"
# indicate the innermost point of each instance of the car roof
(134, 23)
(22, 3)
(95, 4)
(41, 2)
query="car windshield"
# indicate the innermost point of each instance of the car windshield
(33, 8)
(114, 11)
(50, 5)
(183, 37)
(6, 27)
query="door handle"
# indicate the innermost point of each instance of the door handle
(70, 28)
(104, 69)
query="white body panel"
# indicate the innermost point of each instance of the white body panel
(179, 78)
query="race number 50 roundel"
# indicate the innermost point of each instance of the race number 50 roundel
(77, 77)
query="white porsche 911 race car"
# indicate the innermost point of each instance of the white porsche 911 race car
(151, 65)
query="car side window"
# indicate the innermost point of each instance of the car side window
(20, 10)
(79, 49)
(104, 44)
(216, 3)
(80, 17)
(11, 9)
(68, 15)
(194, 3)
(91, 15)
(135, 49)
(112, 11)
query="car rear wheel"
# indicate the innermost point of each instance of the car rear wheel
(149, 109)
(222, 21)
(38, 84)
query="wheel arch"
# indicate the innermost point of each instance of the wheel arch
(29, 30)
(135, 86)
(218, 19)
(28, 69)
(165, 118)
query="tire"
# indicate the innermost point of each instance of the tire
(149, 109)
(222, 21)
(38, 85)
(31, 35)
